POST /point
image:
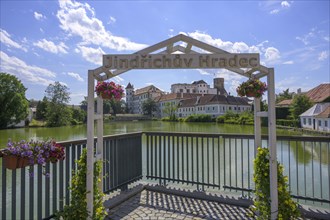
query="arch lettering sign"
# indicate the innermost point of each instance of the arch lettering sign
(186, 61)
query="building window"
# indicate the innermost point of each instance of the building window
(234, 108)
(325, 123)
(229, 108)
(309, 121)
(320, 123)
(304, 121)
(239, 108)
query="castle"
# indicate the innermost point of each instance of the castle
(195, 98)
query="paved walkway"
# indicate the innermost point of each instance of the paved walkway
(155, 205)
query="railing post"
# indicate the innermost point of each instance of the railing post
(90, 144)
(272, 144)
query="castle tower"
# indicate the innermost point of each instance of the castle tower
(219, 84)
(129, 96)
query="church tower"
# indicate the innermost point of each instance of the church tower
(129, 97)
(219, 84)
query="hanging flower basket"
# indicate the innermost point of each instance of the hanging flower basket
(21, 154)
(13, 162)
(252, 88)
(109, 90)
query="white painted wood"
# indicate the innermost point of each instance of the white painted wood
(99, 149)
(262, 114)
(90, 143)
(106, 72)
(185, 61)
(257, 125)
(98, 116)
(188, 40)
(272, 144)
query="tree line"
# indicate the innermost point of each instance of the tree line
(54, 108)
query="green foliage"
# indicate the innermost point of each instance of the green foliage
(220, 119)
(288, 122)
(230, 115)
(79, 115)
(77, 209)
(149, 106)
(14, 105)
(245, 118)
(41, 109)
(282, 112)
(35, 123)
(300, 104)
(199, 118)
(116, 106)
(170, 119)
(58, 93)
(287, 208)
(284, 95)
(170, 110)
(57, 113)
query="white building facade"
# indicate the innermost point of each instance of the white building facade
(135, 99)
(317, 117)
(213, 105)
(200, 87)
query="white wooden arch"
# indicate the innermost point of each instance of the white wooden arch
(182, 45)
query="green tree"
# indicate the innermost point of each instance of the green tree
(300, 104)
(58, 114)
(14, 105)
(149, 106)
(116, 106)
(284, 95)
(41, 109)
(170, 110)
(78, 116)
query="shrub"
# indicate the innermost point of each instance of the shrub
(77, 209)
(220, 119)
(199, 118)
(244, 118)
(288, 122)
(287, 208)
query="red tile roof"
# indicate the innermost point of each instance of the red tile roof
(285, 102)
(324, 114)
(319, 93)
(147, 89)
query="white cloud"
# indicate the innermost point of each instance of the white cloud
(275, 7)
(51, 46)
(306, 38)
(39, 16)
(76, 76)
(112, 20)
(78, 19)
(285, 4)
(5, 39)
(275, 11)
(323, 55)
(25, 72)
(93, 55)
(289, 62)
(272, 55)
(291, 83)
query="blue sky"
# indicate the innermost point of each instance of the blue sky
(47, 41)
